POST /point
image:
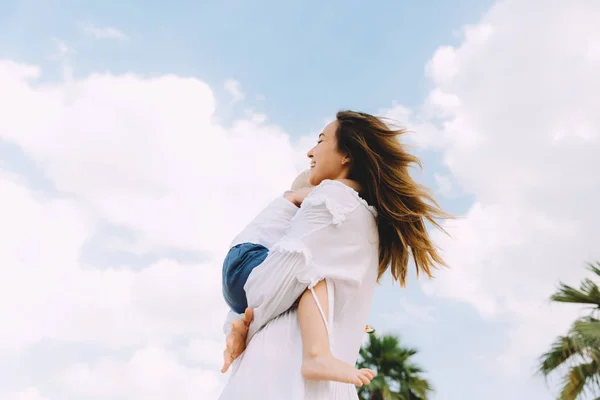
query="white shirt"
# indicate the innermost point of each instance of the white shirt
(333, 237)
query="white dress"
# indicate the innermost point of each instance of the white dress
(333, 237)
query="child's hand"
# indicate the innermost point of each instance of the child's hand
(236, 340)
(300, 194)
(297, 196)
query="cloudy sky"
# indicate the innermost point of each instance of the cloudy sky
(137, 137)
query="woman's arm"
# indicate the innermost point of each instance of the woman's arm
(327, 239)
(323, 225)
(267, 228)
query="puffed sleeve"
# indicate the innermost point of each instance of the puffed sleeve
(327, 239)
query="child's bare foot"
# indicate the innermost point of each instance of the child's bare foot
(236, 344)
(236, 340)
(227, 360)
(329, 368)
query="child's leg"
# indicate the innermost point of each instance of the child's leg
(318, 362)
(238, 264)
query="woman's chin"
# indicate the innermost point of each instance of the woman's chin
(313, 178)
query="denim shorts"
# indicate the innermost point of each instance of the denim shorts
(238, 264)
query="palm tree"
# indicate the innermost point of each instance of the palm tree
(398, 378)
(579, 350)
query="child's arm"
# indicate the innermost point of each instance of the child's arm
(269, 225)
(274, 221)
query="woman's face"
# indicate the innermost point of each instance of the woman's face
(326, 162)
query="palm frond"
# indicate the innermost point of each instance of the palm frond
(588, 292)
(595, 268)
(576, 380)
(561, 351)
(395, 369)
(579, 350)
(588, 327)
(388, 394)
(568, 294)
(421, 388)
(585, 336)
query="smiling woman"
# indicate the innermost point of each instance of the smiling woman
(327, 161)
(364, 214)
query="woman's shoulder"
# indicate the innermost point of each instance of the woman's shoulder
(339, 193)
(337, 202)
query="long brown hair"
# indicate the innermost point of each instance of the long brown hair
(380, 164)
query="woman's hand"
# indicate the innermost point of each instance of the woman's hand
(236, 340)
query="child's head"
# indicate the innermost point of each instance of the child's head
(301, 181)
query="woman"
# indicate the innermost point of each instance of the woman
(337, 246)
(248, 250)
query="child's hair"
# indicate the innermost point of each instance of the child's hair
(301, 180)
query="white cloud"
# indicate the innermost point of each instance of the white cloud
(102, 32)
(410, 313)
(145, 155)
(233, 87)
(151, 374)
(40, 239)
(518, 106)
(149, 162)
(61, 50)
(27, 394)
(444, 185)
(516, 121)
(421, 130)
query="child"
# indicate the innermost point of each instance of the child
(249, 249)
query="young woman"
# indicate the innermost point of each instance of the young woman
(336, 247)
(249, 249)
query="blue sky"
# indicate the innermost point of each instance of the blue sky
(306, 59)
(478, 327)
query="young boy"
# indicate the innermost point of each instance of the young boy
(249, 249)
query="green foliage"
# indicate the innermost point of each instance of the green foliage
(398, 377)
(578, 353)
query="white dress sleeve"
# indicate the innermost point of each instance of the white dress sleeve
(326, 240)
(268, 227)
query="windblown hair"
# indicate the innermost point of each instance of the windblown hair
(380, 164)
